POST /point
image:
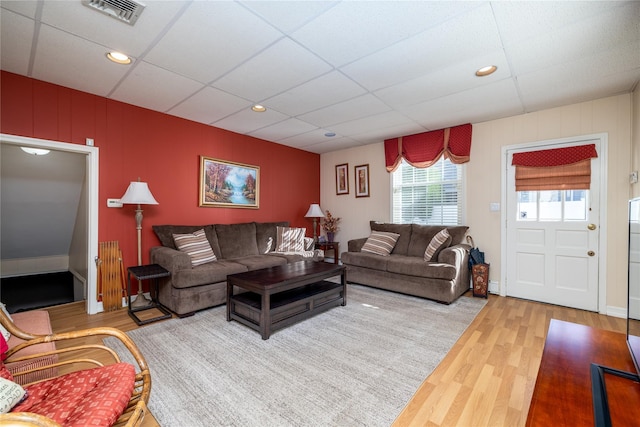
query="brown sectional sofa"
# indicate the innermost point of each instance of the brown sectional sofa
(405, 270)
(238, 248)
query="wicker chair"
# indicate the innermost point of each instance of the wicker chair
(73, 357)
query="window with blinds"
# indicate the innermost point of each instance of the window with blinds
(430, 196)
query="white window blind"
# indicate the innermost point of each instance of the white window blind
(432, 196)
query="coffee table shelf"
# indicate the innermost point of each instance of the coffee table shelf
(288, 299)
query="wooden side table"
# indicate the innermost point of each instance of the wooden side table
(147, 272)
(334, 246)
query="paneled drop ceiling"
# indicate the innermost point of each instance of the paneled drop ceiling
(366, 71)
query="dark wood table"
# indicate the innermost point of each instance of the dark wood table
(328, 246)
(563, 396)
(150, 272)
(276, 297)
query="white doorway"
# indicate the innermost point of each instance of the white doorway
(91, 153)
(553, 240)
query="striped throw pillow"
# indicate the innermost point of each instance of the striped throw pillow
(438, 242)
(196, 246)
(290, 239)
(380, 242)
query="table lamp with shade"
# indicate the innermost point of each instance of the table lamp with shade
(315, 212)
(138, 193)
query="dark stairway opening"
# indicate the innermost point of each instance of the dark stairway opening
(36, 291)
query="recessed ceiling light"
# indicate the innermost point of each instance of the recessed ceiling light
(259, 108)
(330, 134)
(119, 58)
(35, 151)
(485, 71)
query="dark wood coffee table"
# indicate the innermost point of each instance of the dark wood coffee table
(276, 297)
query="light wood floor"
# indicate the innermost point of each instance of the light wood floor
(487, 378)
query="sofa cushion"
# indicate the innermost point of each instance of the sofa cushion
(421, 235)
(165, 235)
(414, 266)
(404, 230)
(365, 259)
(290, 239)
(204, 274)
(380, 243)
(237, 240)
(91, 397)
(440, 241)
(196, 246)
(257, 262)
(266, 233)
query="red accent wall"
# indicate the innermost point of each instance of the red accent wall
(163, 151)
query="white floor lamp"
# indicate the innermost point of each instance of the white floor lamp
(138, 193)
(315, 212)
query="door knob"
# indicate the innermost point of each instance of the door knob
(591, 253)
(591, 226)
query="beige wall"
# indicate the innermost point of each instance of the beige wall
(635, 135)
(611, 115)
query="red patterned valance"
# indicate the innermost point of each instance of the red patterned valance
(555, 169)
(424, 149)
(555, 156)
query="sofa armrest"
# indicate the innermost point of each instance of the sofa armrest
(171, 259)
(356, 245)
(455, 255)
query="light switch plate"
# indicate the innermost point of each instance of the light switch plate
(114, 203)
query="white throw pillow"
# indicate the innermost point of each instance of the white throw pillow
(196, 246)
(438, 242)
(10, 395)
(290, 239)
(380, 242)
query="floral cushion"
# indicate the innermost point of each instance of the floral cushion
(92, 397)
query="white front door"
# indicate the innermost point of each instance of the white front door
(553, 241)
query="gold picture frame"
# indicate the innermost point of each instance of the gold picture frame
(342, 179)
(228, 184)
(362, 180)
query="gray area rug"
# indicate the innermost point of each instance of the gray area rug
(356, 365)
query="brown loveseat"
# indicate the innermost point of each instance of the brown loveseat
(405, 269)
(237, 247)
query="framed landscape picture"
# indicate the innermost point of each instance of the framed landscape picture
(342, 179)
(362, 180)
(228, 184)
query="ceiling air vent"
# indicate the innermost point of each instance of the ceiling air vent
(124, 10)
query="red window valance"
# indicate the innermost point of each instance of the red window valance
(555, 156)
(424, 149)
(555, 169)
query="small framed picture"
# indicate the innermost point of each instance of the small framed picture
(342, 179)
(362, 181)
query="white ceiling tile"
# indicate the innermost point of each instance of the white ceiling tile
(288, 15)
(27, 8)
(471, 106)
(320, 92)
(470, 35)
(151, 87)
(81, 64)
(16, 37)
(379, 135)
(330, 144)
(278, 68)
(209, 105)
(530, 19)
(375, 122)
(210, 39)
(445, 81)
(349, 110)
(76, 18)
(283, 129)
(351, 30)
(246, 121)
(585, 38)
